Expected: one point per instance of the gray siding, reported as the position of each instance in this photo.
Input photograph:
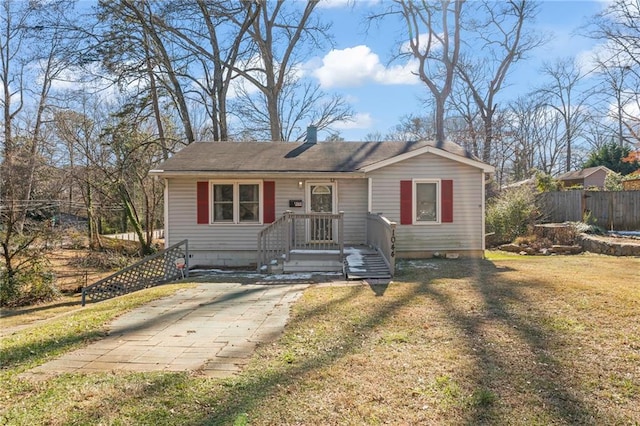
(236, 244)
(595, 179)
(352, 200)
(465, 233)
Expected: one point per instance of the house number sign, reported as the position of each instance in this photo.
(393, 243)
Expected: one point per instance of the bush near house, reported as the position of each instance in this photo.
(511, 214)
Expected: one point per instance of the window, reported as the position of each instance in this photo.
(426, 204)
(223, 203)
(236, 202)
(426, 201)
(249, 202)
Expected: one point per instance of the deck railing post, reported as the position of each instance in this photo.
(259, 257)
(186, 258)
(392, 251)
(289, 223)
(341, 233)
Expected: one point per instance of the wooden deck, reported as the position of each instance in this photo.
(364, 262)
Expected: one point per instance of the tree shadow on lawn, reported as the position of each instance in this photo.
(543, 384)
(537, 375)
(25, 310)
(549, 387)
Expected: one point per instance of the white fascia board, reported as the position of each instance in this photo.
(428, 150)
(259, 175)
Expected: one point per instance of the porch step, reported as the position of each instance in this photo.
(362, 263)
(309, 261)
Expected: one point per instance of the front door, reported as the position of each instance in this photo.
(321, 198)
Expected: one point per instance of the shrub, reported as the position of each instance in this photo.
(613, 182)
(103, 260)
(511, 214)
(545, 182)
(33, 284)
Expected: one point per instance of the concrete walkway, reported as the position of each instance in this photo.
(213, 328)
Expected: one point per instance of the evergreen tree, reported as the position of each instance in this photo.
(611, 155)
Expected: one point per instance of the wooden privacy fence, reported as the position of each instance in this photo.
(165, 266)
(612, 210)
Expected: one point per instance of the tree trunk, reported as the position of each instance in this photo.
(488, 136)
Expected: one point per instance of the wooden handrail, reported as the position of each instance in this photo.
(300, 231)
(381, 235)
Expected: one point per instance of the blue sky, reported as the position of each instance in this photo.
(381, 93)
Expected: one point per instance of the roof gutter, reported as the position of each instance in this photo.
(256, 174)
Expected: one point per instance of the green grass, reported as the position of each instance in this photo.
(513, 340)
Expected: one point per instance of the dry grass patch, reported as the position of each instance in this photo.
(512, 340)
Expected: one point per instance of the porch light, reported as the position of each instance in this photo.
(300, 183)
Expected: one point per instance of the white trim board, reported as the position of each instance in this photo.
(428, 150)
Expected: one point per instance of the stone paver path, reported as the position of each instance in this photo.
(213, 328)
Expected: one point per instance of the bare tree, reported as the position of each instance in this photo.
(299, 104)
(84, 156)
(32, 49)
(132, 47)
(434, 29)
(538, 137)
(500, 29)
(619, 25)
(213, 38)
(279, 36)
(562, 95)
(411, 128)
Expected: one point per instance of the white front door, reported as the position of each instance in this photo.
(321, 198)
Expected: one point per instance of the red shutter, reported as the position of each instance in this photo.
(446, 195)
(268, 201)
(202, 203)
(406, 202)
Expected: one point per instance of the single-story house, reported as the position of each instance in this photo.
(245, 203)
(587, 178)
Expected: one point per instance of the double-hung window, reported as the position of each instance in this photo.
(426, 201)
(236, 202)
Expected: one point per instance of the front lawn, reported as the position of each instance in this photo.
(509, 340)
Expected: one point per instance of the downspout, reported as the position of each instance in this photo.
(483, 213)
(166, 214)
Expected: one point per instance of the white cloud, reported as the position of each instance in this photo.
(589, 60)
(361, 120)
(358, 65)
(336, 4)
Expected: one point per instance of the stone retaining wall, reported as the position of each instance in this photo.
(614, 248)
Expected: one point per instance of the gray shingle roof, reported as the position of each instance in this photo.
(581, 174)
(292, 157)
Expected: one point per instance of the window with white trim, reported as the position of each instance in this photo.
(426, 202)
(236, 202)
